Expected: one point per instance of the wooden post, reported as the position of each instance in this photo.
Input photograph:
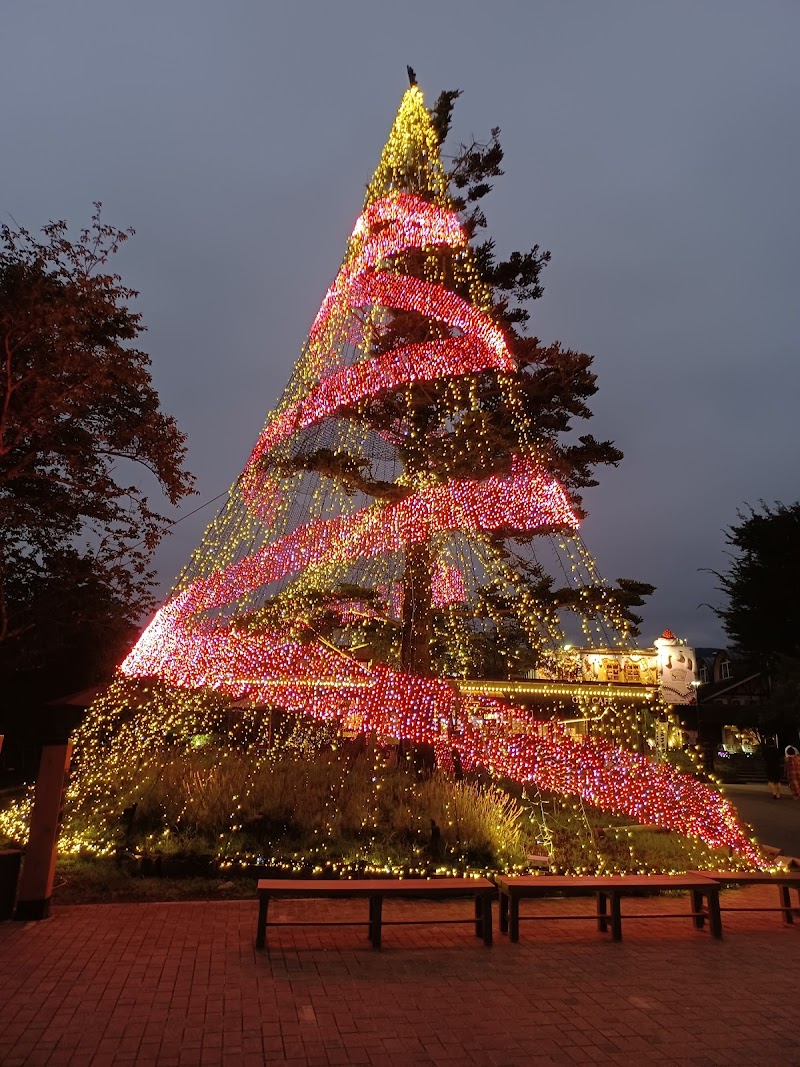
(38, 870)
(9, 876)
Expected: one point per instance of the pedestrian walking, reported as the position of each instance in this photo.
(773, 765)
(792, 763)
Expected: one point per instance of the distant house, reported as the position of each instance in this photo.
(730, 699)
(713, 665)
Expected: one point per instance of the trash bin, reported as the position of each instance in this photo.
(10, 860)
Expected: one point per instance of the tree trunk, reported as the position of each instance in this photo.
(415, 650)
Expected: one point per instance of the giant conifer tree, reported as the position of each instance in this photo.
(76, 399)
(417, 392)
(762, 584)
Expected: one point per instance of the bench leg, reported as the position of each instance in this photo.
(513, 926)
(604, 898)
(503, 912)
(698, 908)
(616, 916)
(602, 913)
(486, 916)
(786, 903)
(714, 914)
(261, 927)
(375, 918)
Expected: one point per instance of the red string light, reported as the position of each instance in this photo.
(526, 499)
(425, 362)
(320, 682)
(447, 585)
(388, 227)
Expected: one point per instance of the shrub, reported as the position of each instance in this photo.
(341, 804)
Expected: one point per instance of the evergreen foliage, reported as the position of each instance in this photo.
(762, 585)
(762, 615)
(470, 426)
(78, 414)
(555, 382)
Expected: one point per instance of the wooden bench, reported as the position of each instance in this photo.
(784, 882)
(375, 891)
(608, 891)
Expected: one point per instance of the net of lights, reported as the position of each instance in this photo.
(200, 642)
(408, 222)
(392, 703)
(320, 683)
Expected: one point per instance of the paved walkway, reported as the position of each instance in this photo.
(170, 985)
(774, 822)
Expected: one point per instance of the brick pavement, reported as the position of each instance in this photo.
(180, 985)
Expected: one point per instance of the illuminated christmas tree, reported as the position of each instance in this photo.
(385, 534)
(401, 498)
(388, 551)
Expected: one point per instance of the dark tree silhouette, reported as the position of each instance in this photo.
(762, 585)
(78, 415)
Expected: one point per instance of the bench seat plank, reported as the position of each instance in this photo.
(375, 890)
(784, 881)
(608, 891)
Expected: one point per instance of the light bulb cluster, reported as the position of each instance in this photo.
(345, 388)
(319, 682)
(410, 157)
(526, 499)
(408, 222)
(447, 585)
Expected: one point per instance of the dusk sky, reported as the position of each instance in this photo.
(652, 147)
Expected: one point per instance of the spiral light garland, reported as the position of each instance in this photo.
(206, 636)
